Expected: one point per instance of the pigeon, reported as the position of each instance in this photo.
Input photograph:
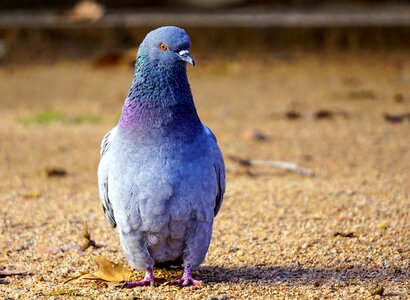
(161, 176)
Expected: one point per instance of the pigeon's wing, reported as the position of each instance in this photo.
(103, 176)
(209, 132)
(219, 166)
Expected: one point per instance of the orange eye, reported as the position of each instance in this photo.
(163, 47)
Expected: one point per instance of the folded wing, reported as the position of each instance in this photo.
(219, 166)
(103, 176)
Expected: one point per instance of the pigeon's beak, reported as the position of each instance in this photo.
(186, 56)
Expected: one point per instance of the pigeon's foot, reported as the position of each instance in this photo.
(142, 282)
(149, 280)
(184, 282)
(186, 279)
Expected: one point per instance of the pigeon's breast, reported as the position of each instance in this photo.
(159, 188)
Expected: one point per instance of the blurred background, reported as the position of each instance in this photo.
(72, 28)
(324, 84)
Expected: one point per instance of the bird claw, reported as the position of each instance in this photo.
(133, 284)
(143, 282)
(185, 282)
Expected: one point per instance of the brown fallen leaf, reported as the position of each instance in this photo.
(108, 272)
(12, 272)
(83, 275)
(86, 240)
(76, 277)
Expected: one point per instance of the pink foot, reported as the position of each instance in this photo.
(186, 279)
(149, 280)
(184, 282)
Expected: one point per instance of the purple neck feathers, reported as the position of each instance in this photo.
(160, 100)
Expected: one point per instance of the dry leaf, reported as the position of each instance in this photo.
(108, 272)
(32, 195)
(79, 276)
(86, 240)
(12, 272)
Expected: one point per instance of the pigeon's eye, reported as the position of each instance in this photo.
(163, 47)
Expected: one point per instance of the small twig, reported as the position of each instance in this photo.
(283, 165)
(276, 164)
(344, 234)
(12, 273)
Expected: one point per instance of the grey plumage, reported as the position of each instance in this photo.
(161, 175)
(162, 214)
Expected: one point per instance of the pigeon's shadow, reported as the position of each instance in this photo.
(291, 275)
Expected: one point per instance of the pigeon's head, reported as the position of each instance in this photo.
(166, 46)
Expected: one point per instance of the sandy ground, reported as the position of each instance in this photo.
(275, 234)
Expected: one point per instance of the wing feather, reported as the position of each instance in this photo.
(103, 177)
(219, 166)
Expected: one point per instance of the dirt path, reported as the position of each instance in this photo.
(278, 233)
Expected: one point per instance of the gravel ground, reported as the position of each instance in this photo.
(342, 234)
